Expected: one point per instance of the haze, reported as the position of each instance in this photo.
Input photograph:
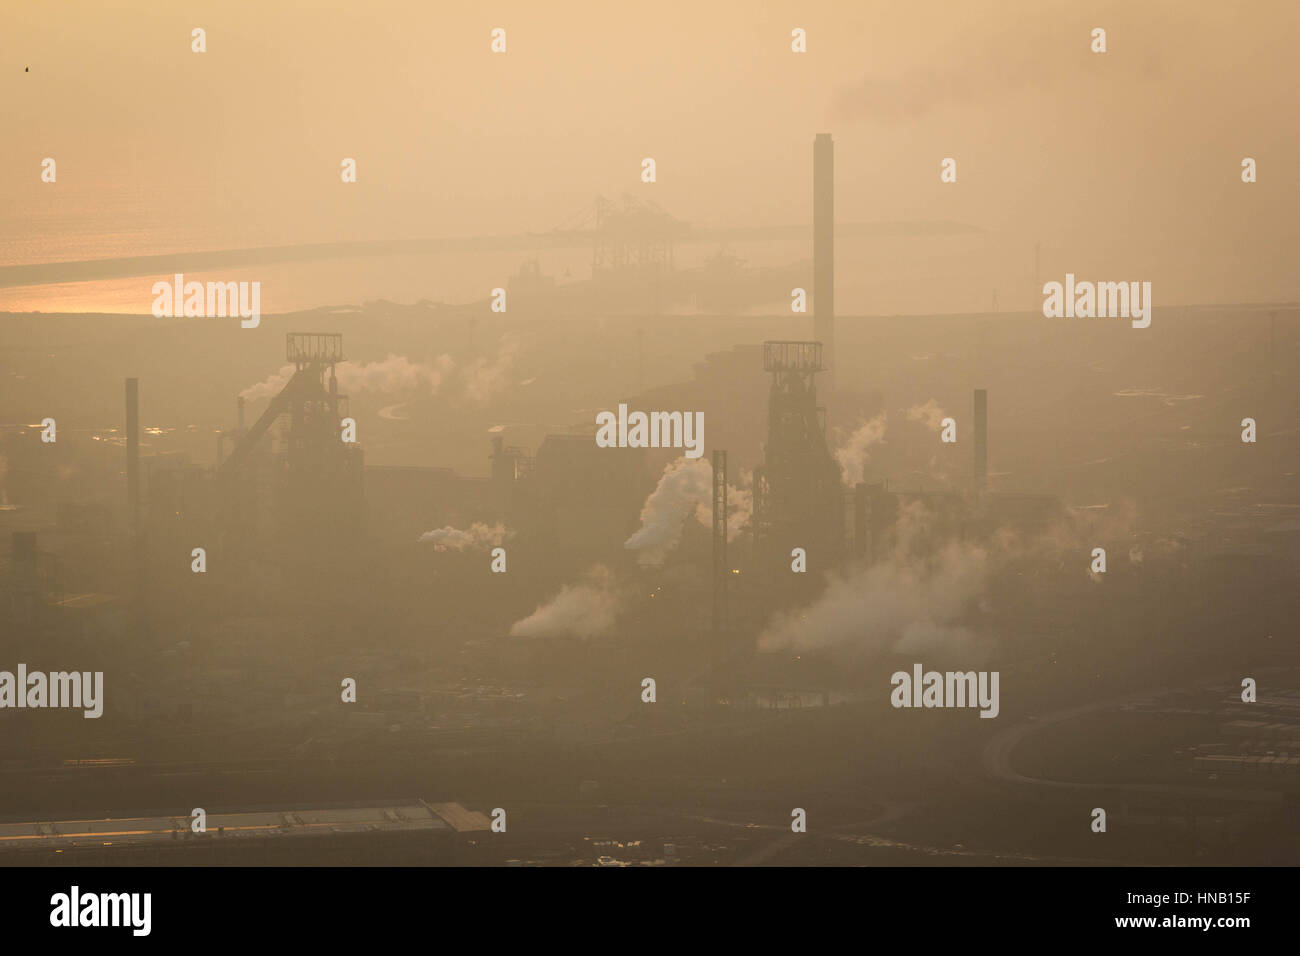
(1112, 162)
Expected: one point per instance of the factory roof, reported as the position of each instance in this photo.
(87, 600)
(241, 825)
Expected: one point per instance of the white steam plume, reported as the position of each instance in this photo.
(685, 488)
(912, 602)
(586, 609)
(853, 455)
(271, 385)
(740, 505)
(391, 375)
(476, 382)
(891, 607)
(930, 414)
(394, 374)
(916, 599)
(479, 535)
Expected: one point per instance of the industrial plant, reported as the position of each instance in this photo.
(379, 596)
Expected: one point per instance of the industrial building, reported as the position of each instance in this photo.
(316, 573)
(345, 834)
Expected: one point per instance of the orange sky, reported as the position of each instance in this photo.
(1126, 162)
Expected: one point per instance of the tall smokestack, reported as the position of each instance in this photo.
(133, 453)
(860, 519)
(239, 405)
(719, 541)
(824, 250)
(981, 439)
(138, 613)
(719, 637)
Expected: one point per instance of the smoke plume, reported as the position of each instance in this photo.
(853, 455)
(272, 385)
(929, 414)
(392, 375)
(920, 596)
(586, 609)
(395, 374)
(740, 505)
(978, 72)
(479, 535)
(475, 382)
(913, 602)
(685, 488)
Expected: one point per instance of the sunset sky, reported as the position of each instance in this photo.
(1124, 164)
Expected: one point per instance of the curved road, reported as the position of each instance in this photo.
(997, 760)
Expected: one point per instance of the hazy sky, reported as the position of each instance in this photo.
(1126, 163)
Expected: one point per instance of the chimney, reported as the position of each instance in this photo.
(879, 515)
(138, 614)
(239, 404)
(860, 519)
(981, 439)
(133, 453)
(824, 250)
(498, 458)
(719, 641)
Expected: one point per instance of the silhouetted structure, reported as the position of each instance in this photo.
(317, 477)
(632, 256)
(824, 249)
(509, 464)
(637, 237)
(133, 453)
(719, 552)
(798, 499)
(138, 612)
